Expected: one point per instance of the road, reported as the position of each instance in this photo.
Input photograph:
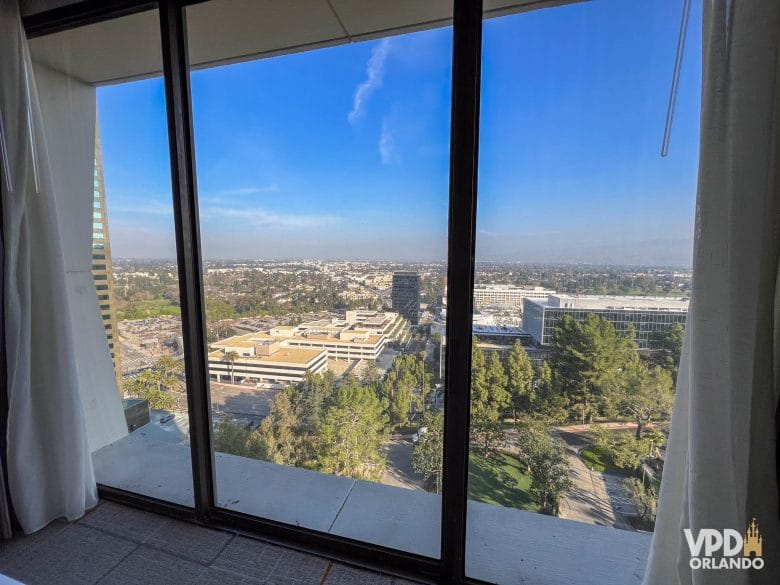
(242, 400)
(386, 358)
(399, 472)
(597, 498)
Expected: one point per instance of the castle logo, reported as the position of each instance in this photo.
(726, 549)
(753, 543)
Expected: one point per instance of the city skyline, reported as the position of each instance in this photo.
(294, 163)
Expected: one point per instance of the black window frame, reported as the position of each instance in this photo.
(464, 142)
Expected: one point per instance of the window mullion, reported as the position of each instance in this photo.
(464, 141)
(185, 207)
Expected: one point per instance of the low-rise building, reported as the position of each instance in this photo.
(262, 358)
(285, 353)
(490, 295)
(645, 314)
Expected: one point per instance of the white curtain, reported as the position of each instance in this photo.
(720, 470)
(50, 470)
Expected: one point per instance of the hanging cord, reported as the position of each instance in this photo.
(31, 127)
(676, 77)
(5, 164)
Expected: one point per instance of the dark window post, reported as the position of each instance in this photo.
(185, 213)
(464, 143)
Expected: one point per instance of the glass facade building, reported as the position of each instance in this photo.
(406, 295)
(645, 314)
(102, 267)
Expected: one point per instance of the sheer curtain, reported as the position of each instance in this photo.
(50, 472)
(721, 470)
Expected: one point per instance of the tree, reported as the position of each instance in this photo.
(423, 383)
(645, 499)
(231, 357)
(156, 383)
(667, 347)
(549, 476)
(351, 434)
(309, 399)
(145, 386)
(217, 310)
(167, 375)
(398, 390)
(548, 403)
(625, 450)
(498, 399)
(533, 437)
(648, 397)
(428, 454)
(489, 399)
(280, 434)
(236, 439)
(520, 373)
(589, 360)
(370, 373)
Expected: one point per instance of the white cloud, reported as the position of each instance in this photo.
(272, 188)
(263, 217)
(144, 207)
(374, 74)
(387, 149)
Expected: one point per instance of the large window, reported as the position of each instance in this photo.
(264, 193)
(583, 274)
(322, 180)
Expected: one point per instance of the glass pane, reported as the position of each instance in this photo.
(584, 251)
(107, 135)
(323, 187)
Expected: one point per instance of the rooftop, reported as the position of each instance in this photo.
(504, 330)
(613, 302)
(284, 355)
(511, 287)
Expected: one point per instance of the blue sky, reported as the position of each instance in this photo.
(344, 152)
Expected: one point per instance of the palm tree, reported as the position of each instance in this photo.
(166, 375)
(231, 357)
(422, 380)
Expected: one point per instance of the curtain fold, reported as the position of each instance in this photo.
(5, 507)
(720, 469)
(50, 472)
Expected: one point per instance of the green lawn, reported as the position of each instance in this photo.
(153, 308)
(599, 461)
(500, 480)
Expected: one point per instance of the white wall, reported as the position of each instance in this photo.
(68, 109)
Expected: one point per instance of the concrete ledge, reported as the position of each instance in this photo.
(277, 492)
(505, 545)
(508, 546)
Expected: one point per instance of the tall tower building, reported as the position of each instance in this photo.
(405, 295)
(102, 269)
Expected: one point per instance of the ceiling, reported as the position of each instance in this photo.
(225, 31)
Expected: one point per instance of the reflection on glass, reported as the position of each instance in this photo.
(323, 185)
(583, 276)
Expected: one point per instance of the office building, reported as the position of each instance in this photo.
(489, 295)
(286, 353)
(646, 314)
(265, 359)
(406, 295)
(102, 268)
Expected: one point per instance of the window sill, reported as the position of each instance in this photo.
(532, 548)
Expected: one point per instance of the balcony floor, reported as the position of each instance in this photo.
(118, 545)
(505, 545)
